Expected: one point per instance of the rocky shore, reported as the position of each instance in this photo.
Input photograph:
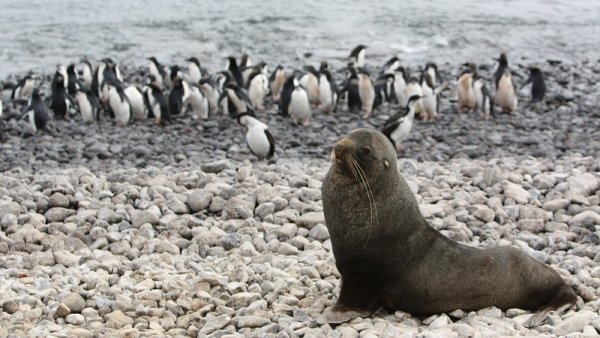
(148, 231)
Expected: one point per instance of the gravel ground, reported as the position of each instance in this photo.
(123, 231)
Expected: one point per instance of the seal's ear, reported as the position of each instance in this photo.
(386, 164)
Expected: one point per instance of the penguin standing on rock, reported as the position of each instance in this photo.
(194, 70)
(276, 81)
(24, 88)
(210, 90)
(86, 72)
(258, 86)
(384, 87)
(73, 83)
(358, 55)
(350, 87)
(158, 71)
(37, 111)
(235, 71)
(179, 91)
(88, 104)
(327, 91)
(259, 139)
(506, 97)
(413, 88)
(119, 103)
(198, 102)
(238, 101)
(299, 106)
(430, 97)
(58, 101)
(466, 94)
(483, 98)
(397, 127)
(155, 102)
(431, 68)
(310, 82)
(136, 102)
(286, 95)
(400, 79)
(538, 86)
(502, 66)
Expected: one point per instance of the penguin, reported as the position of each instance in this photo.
(136, 102)
(327, 91)
(323, 66)
(276, 81)
(194, 70)
(286, 95)
(431, 68)
(357, 55)
(155, 101)
(384, 86)
(199, 103)
(502, 66)
(430, 97)
(483, 98)
(37, 111)
(24, 87)
(366, 91)
(246, 68)
(119, 104)
(413, 88)
(63, 71)
(350, 87)
(400, 79)
(211, 91)
(310, 82)
(258, 86)
(158, 71)
(108, 78)
(506, 97)
(390, 66)
(179, 91)
(86, 72)
(58, 101)
(238, 101)
(107, 71)
(259, 139)
(299, 106)
(88, 104)
(397, 127)
(538, 86)
(235, 71)
(466, 94)
(72, 83)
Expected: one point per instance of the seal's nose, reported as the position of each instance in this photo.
(341, 148)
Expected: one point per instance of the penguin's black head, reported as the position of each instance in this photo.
(412, 101)
(176, 73)
(71, 69)
(535, 70)
(59, 78)
(194, 60)
(324, 65)
(310, 69)
(502, 59)
(356, 50)
(431, 65)
(244, 60)
(248, 113)
(108, 61)
(153, 59)
(231, 60)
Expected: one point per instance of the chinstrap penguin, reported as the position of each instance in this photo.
(259, 139)
(397, 128)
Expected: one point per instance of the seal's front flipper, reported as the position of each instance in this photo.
(338, 315)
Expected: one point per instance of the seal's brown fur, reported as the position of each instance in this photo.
(393, 258)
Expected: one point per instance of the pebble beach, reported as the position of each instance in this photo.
(178, 231)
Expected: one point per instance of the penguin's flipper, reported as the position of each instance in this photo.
(390, 126)
(527, 82)
(271, 139)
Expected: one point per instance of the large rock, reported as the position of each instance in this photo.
(584, 184)
(199, 200)
(140, 217)
(58, 214)
(117, 320)
(74, 302)
(586, 218)
(575, 323)
(310, 219)
(516, 192)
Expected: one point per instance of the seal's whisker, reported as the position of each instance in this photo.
(367, 187)
(348, 158)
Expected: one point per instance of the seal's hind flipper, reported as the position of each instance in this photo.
(561, 301)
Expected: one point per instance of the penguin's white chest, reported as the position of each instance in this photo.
(199, 104)
(466, 94)
(505, 96)
(119, 106)
(85, 108)
(32, 120)
(195, 74)
(299, 106)
(257, 141)
(429, 100)
(325, 93)
(401, 133)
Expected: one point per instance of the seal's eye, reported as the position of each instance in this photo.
(364, 150)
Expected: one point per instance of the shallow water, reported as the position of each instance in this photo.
(38, 34)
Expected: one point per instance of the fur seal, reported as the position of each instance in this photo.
(389, 256)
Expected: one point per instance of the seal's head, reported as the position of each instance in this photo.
(364, 154)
